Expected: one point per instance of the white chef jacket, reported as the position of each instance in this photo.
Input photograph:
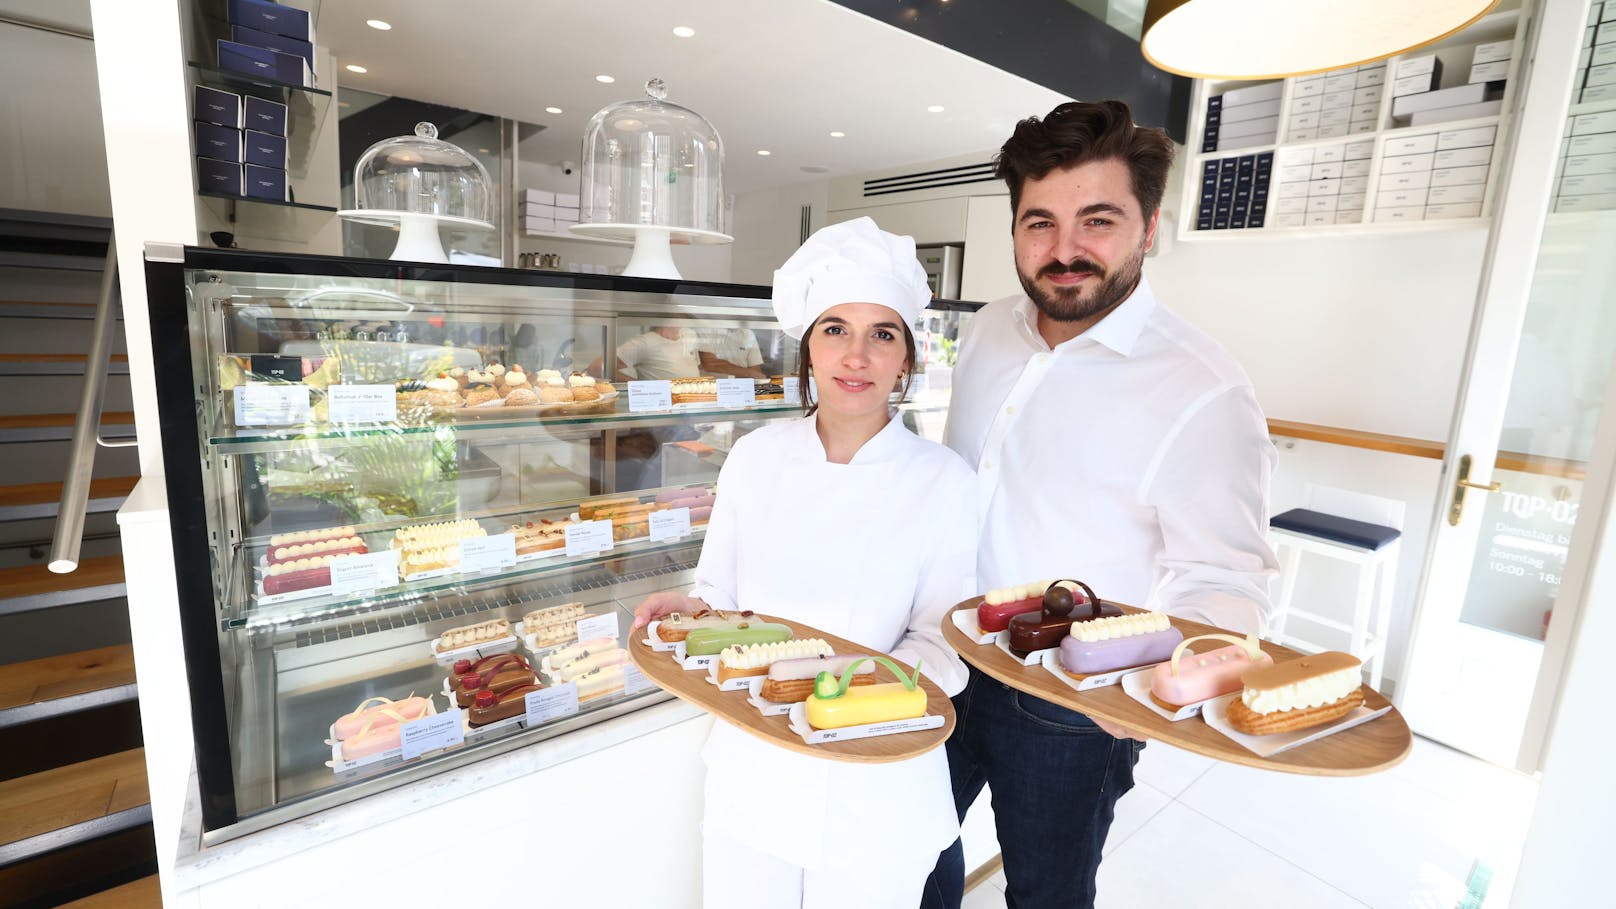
(1133, 457)
(875, 551)
(651, 356)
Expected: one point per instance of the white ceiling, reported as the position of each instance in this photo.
(777, 75)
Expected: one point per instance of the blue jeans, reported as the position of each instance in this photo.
(1055, 779)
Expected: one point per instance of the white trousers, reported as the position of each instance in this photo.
(736, 876)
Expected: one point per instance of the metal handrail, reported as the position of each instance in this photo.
(70, 510)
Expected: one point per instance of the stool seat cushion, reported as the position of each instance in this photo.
(1336, 529)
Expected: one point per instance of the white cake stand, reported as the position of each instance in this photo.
(653, 245)
(418, 238)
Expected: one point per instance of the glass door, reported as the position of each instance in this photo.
(1541, 351)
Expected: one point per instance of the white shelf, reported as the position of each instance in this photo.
(1366, 228)
(1455, 49)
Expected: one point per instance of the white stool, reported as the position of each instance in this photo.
(1372, 547)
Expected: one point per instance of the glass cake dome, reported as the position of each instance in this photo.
(419, 182)
(653, 172)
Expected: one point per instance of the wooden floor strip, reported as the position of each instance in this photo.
(61, 797)
(51, 420)
(66, 675)
(29, 580)
(45, 493)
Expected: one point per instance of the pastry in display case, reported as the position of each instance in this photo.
(414, 506)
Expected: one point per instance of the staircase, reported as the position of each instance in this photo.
(75, 816)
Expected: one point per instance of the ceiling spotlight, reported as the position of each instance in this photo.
(837, 134)
(379, 25)
(356, 68)
(552, 110)
(684, 31)
(935, 109)
(606, 80)
(764, 152)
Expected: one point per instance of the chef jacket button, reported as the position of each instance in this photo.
(987, 465)
(1009, 409)
(1042, 359)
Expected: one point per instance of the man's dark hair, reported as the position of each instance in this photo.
(1078, 132)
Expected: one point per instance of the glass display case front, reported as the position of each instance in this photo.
(414, 506)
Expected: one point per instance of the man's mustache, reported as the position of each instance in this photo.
(1078, 266)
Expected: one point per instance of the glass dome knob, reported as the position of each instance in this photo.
(657, 89)
(426, 130)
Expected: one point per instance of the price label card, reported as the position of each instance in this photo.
(634, 681)
(271, 405)
(362, 403)
(364, 572)
(670, 524)
(487, 553)
(597, 626)
(431, 733)
(552, 703)
(793, 389)
(650, 395)
(737, 392)
(276, 368)
(588, 537)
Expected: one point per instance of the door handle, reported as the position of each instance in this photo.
(1456, 510)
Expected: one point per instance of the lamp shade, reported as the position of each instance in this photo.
(1265, 39)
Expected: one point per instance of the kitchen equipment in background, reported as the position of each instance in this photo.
(942, 265)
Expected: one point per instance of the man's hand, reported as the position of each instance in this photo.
(1120, 732)
(658, 605)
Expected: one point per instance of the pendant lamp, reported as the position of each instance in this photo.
(1270, 39)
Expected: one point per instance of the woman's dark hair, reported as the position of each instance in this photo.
(809, 405)
(1078, 132)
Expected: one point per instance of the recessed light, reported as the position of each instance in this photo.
(764, 152)
(379, 25)
(935, 109)
(604, 79)
(356, 68)
(552, 110)
(837, 134)
(684, 31)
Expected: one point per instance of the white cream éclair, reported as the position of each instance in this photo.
(1120, 626)
(757, 657)
(1324, 689)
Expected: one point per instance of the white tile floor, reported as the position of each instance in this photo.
(1194, 832)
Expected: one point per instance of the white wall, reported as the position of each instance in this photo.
(767, 225)
(52, 150)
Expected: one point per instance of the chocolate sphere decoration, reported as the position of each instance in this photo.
(1057, 600)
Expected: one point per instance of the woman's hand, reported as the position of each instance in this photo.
(658, 605)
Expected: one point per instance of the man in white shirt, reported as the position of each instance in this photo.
(664, 352)
(731, 352)
(1114, 443)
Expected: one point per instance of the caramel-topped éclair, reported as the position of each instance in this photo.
(1292, 671)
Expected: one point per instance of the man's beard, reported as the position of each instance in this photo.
(1075, 304)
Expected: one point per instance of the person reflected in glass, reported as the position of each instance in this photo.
(731, 352)
(664, 352)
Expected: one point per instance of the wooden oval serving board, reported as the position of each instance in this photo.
(1371, 747)
(732, 706)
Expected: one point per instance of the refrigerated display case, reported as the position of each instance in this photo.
(413, 506)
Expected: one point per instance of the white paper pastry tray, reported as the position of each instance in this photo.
(799, 725)
(1050, 660)
(965, 621)
(1216, 714)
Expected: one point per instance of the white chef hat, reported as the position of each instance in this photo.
(850, 262)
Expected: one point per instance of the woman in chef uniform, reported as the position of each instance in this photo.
(845, 521)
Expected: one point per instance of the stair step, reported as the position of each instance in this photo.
(55, 808)
(44, 309)
(36, 689)
(36, 587)
(48, 427)
(136, 894)
(29, 501)
(57, 364)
